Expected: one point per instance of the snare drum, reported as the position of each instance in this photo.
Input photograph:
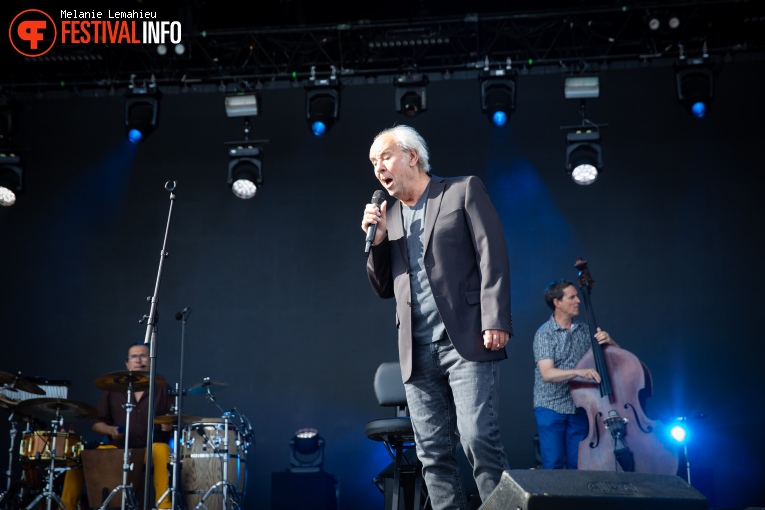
(37, 446)
(202, 459)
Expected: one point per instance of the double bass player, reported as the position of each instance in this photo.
(559, 344)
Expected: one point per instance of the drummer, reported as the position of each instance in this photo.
(111, 420)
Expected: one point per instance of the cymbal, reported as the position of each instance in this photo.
(205, 386)
(16, 382)
(120, 380)
(48, 409)
(173, 418)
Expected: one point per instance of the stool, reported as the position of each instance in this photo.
(397, 435)
(103, 472)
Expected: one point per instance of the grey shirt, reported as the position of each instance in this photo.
(427, 325)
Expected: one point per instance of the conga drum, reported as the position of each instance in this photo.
(203, 454)
(102, 468)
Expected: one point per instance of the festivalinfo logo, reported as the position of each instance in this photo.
(34, 33)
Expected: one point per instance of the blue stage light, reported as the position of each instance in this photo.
(134, 135)
(499, 118)
(695, 88)
(322, 107)
(699, 109)
(141, 113)
(318, 128)
(678, 431)
(498, 95)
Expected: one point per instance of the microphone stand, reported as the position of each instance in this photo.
(179, 392)
(151, 340)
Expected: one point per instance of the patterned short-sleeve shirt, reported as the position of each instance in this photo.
(565, 348)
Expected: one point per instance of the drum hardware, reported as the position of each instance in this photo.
(14, 383)
(57, 410)
(14, 431)
(205, 444)
(175, 420)
(215, 447)
(206, 387)
(120, 380)
(117, 381)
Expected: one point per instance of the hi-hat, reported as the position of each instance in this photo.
(47, 409)
(120, 380)
(173, 418)
(12, 382)
(206, 386)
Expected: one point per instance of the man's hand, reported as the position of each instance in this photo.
(604, 338)
(374, 215)
(495, 339)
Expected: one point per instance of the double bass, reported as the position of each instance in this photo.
(621, 437)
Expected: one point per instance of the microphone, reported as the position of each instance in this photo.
(201, 432)
(185, 312)
(377, 199)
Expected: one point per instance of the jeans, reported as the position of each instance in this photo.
(452, 400)
(559, 437)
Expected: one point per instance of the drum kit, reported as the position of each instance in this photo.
(209, 453)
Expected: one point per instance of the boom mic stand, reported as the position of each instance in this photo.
(151, 340)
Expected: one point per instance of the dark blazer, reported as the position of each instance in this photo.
(466, 262)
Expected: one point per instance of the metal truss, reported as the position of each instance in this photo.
(567, 41)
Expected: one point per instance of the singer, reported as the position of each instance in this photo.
(440, 251)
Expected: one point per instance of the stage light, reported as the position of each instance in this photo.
(411, 94)
(581, 87)
(307, 448)
(11, 178)
(141, 111)
(584, 155)
(242, 105)
(498, 95)
(322, 104)
(678, 430)
(695, 88)
(245, 170)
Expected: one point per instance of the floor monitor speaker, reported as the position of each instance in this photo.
(535, 489)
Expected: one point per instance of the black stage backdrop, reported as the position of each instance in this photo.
(281, 307)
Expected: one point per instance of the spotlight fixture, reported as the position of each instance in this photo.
(245, 169)
(695, 88)
(678, 430)
(581, 87)
(322, 102)
(411, 94)
(11, 177)
(307, 451)
(141, 110)
(498, 95)
(584, 155)
(242, 105)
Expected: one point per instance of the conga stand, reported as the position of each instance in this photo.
(225, 457)
(172, 488)
(126, 488)
(47, 492)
